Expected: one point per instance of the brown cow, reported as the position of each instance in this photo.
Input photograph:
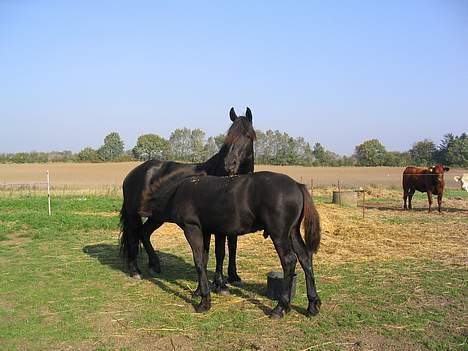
(426, 180)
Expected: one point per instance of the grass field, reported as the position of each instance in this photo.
(394, 280)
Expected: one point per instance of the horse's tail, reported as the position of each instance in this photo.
(130, 225)
(311, 221)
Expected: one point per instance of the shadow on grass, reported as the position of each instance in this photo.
(175, 271)
(399, 208)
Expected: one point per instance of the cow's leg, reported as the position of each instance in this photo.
(429, 198)
(405, 196)
(410, 198)
(149, 227)
(439, 201)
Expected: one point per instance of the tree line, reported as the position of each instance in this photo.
(271, 147)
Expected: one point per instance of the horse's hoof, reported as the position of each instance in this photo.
(223, 291)
(201, 308)
(313, 309)
(154, 271)
(312, 313)
(236, 281)
(275, 315)
(278, 312)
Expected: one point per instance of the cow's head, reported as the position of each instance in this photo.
(438, 171)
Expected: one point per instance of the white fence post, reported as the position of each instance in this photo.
(48, 191)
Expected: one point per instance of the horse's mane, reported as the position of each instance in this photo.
(162, 189)
(242, 127)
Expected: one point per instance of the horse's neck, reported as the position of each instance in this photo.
(214, 165)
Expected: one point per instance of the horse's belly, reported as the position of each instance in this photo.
(230, 225)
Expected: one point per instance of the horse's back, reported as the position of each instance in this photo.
(139, 178)
(238, 204)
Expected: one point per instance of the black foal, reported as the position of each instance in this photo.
(243, 204)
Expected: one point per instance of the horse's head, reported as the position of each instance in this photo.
(239, 158)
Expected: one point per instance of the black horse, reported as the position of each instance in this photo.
(242, 204)
(236, 156)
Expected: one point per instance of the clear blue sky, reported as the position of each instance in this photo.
(334, 72)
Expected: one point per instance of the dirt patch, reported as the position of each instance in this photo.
(16, 234)
(388, 232)
(369, 340)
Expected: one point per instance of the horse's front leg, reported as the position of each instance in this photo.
(149, 227)
(197, 241)
(233, 277)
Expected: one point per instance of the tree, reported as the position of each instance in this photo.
(303, 151)
(188, 145)
(197, 143)
(423, 152)
(180, 144)
(453, 150)
(370, 153)
(319, 154)
(113, 147)
(284, 149)
(259, 147)
(219, 140)
(88, 154)
(397, 159)
(210, 148)
(325, 157)
(151, 146)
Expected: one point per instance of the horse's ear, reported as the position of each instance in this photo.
(232, 114)
(446, 169)
(248, 114)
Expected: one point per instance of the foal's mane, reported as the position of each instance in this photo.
(155, 190)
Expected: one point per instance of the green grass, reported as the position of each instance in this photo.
(63, 286)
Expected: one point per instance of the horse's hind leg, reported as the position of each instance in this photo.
(197, 241)
(288, 262)
(130, 242)
(206, 251)
(305, 260)
(233, 277)
(149, 227)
